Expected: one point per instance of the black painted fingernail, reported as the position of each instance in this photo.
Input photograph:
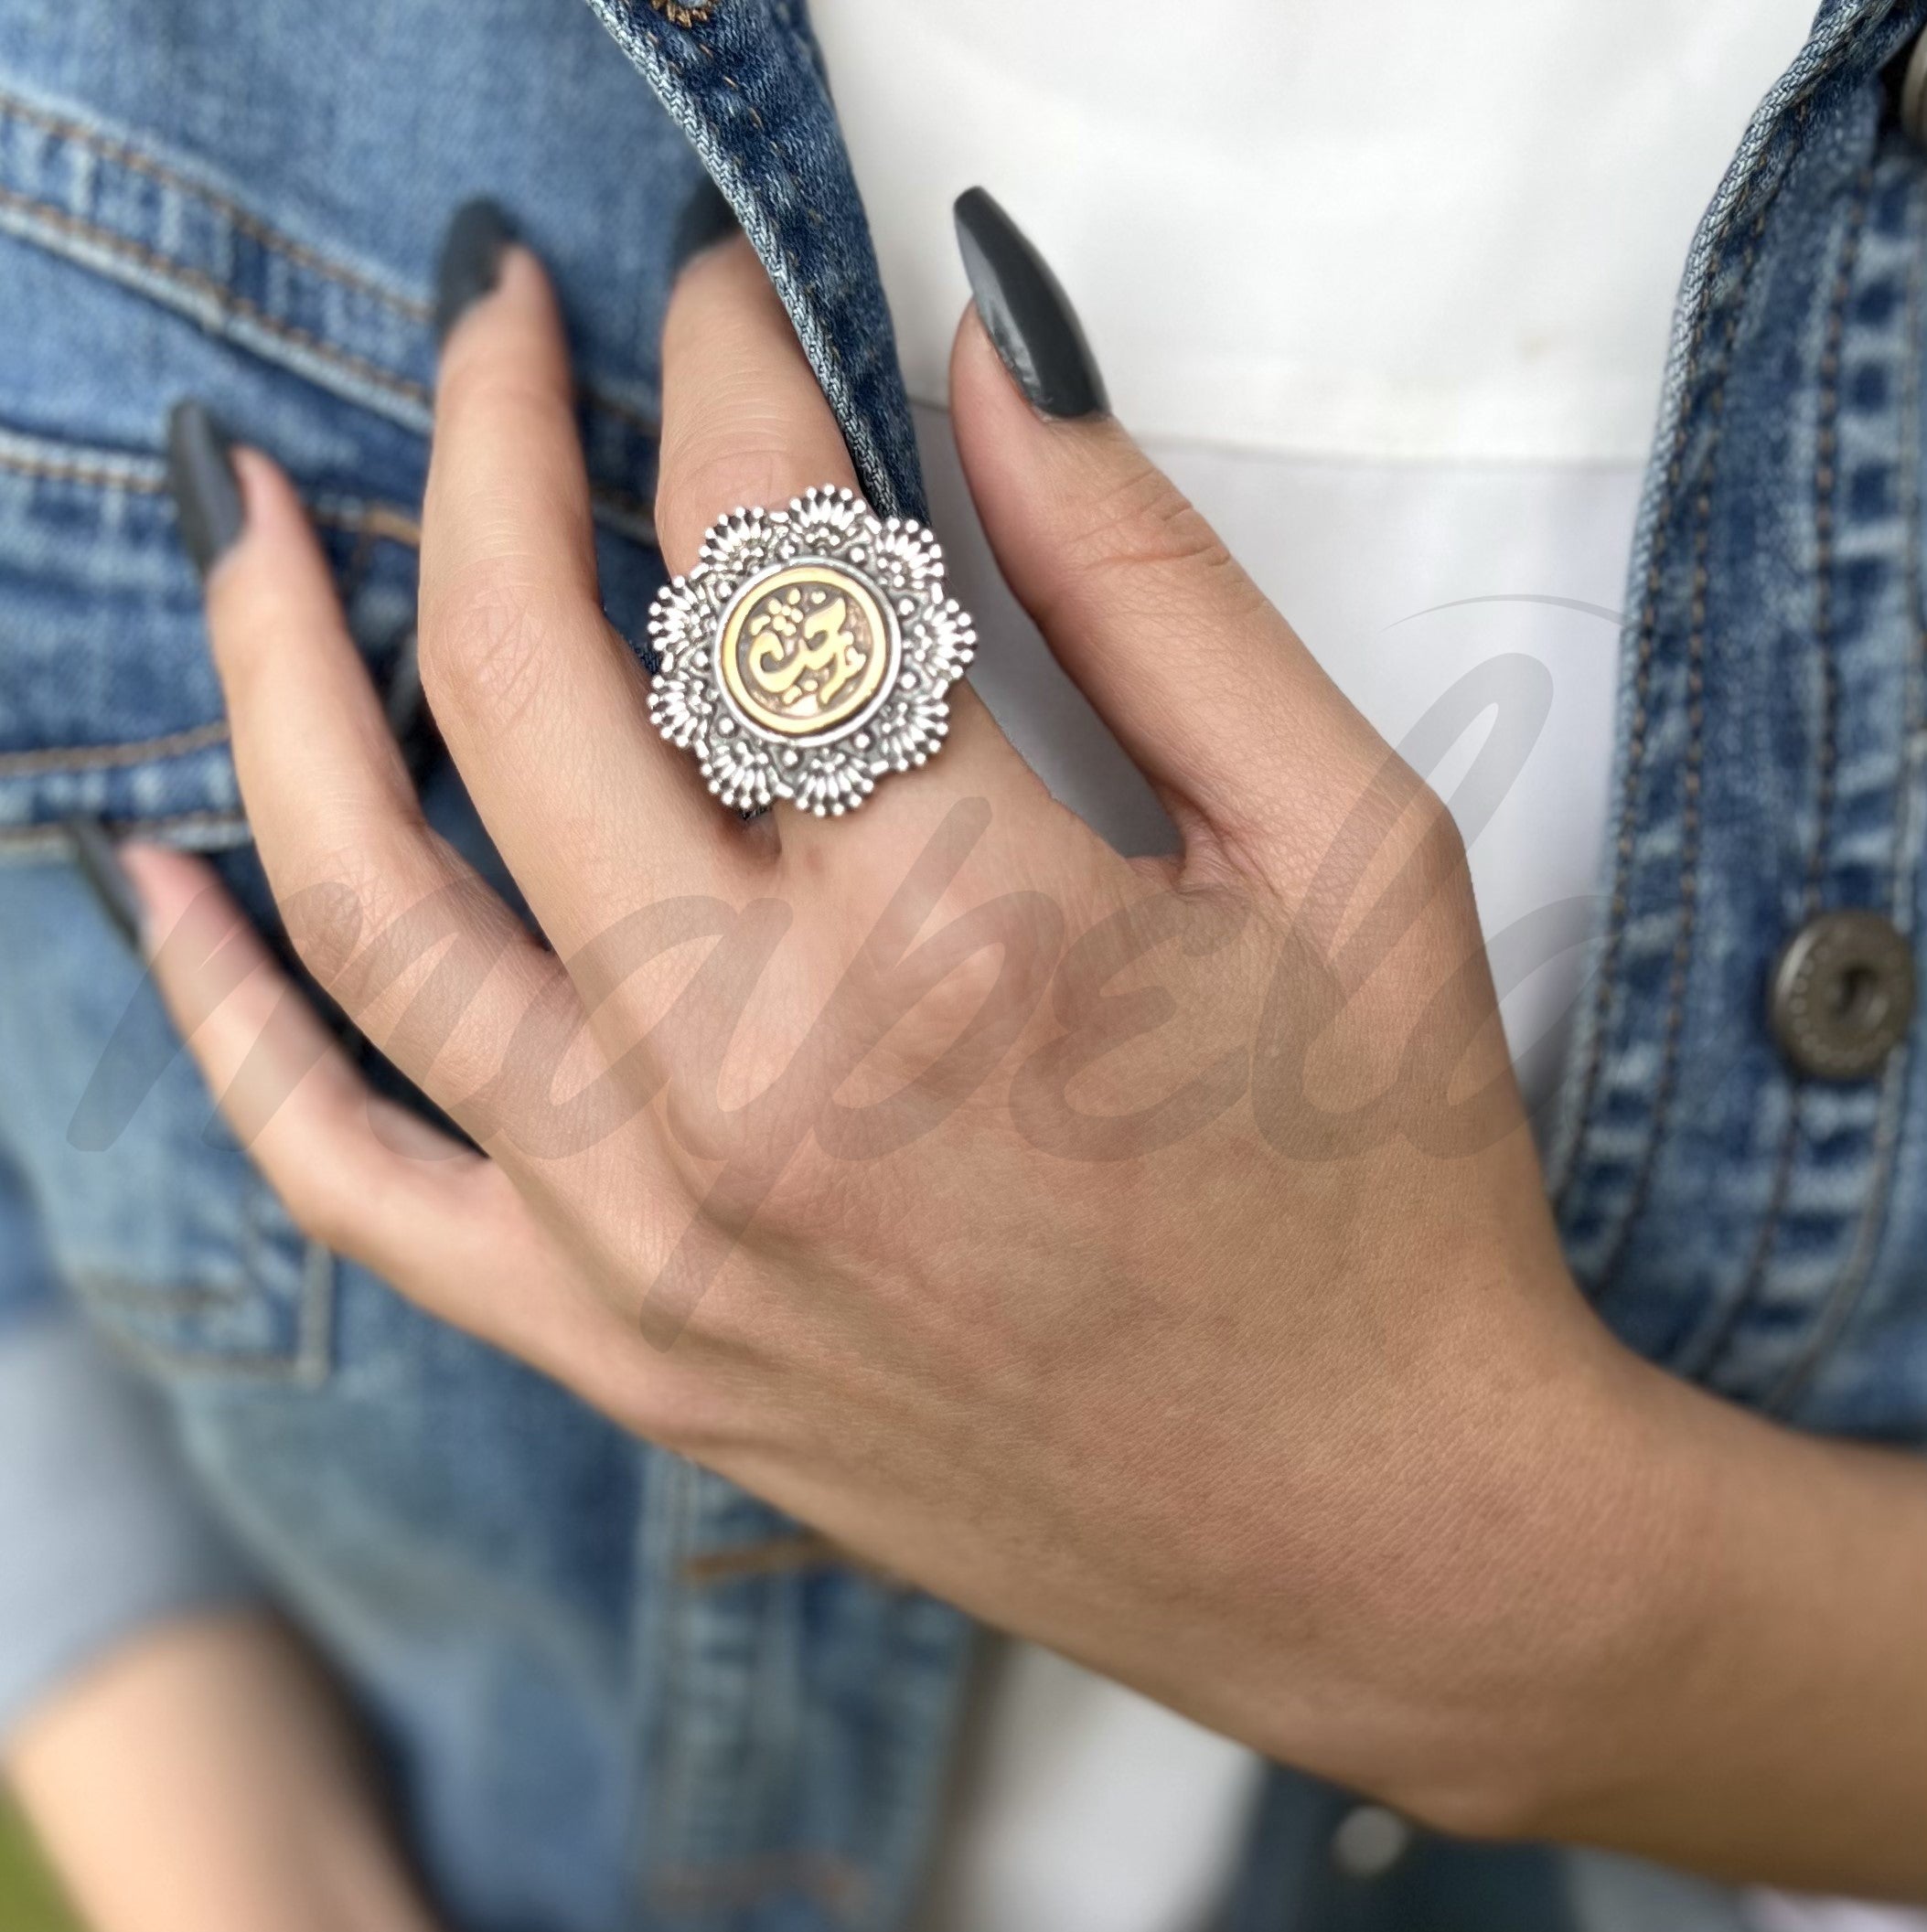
(1026, 313)
(205, 491)
(100, 865)
(471, 262)
(706, 220)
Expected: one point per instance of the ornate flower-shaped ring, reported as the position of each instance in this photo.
(810, 651)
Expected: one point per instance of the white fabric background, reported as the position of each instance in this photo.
(1402, 230)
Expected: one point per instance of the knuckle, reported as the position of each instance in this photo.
(1437, 849)
(486, 387)
(694, 1422)
(351, 899)
(327, 919)
(1392, 859)
(481, 647)
(1143, 525)
(711, 478)
(969, 988)
(1446, 844)
(1431, 880)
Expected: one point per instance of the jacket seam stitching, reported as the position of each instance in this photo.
(789, 174)
(1619, 910)
(373, 520)
(132, 828)
(1839, 1307)
(128, 1293)
(1624, 842)
(249, 224)
(673, 1801)
(836, 1883)
(635, 34)
(307, 1364)
(1825, 452)
(110, 757)
(228, 302)
(681, 1886)
(225, 299)
(768, 1556)
(1684, 945)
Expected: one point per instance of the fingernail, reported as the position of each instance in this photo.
(100, 865)
(205, 491)
(1026, 313)
(706, 220)
(471, 263)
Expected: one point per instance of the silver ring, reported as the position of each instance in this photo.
(810, 651)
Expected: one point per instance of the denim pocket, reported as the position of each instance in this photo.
(133, 274)
(109, 708)
(108, 702)
(145, 1206)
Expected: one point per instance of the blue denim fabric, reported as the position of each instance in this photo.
(594, 1716)
(1750, 1230)
(746, 84)
(605, 1701)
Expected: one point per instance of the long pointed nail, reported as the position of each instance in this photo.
(207, 492)
(100, 865)
(471, 261)
(1026, 313)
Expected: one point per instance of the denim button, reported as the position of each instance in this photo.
(1369, 1840)
(1913, 92)
(1843, 996)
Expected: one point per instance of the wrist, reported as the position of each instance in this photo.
(1594, 1593)
(1756, 1705)
(1645, 1562)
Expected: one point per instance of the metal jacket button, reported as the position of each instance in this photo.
(1843, 996)
(1369, 1842)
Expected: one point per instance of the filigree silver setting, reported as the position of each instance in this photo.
(809, 654)
(810, 651)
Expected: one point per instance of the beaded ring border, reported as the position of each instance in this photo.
(809, 654)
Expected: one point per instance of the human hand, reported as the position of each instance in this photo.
(1150, 1257)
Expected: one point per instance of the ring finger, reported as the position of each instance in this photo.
(745, 423)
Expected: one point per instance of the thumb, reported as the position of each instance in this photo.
(1207, 688)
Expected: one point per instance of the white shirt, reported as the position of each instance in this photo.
(1409, 232)
(1388, 289)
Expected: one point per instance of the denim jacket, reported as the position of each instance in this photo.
(612, 1691)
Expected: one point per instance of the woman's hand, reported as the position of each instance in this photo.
(1150, 1257)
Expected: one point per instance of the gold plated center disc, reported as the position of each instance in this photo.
(804, 650)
